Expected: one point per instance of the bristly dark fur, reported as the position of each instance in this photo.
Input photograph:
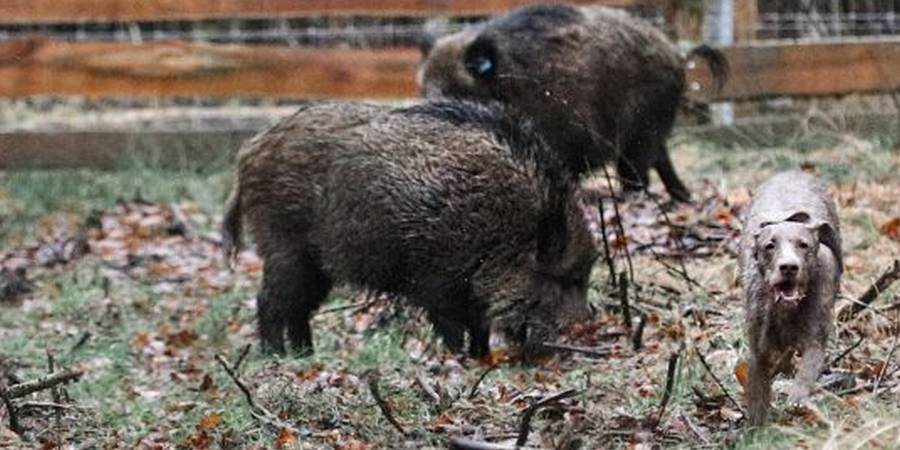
(449, 205)
(601, 86)
(525, 142)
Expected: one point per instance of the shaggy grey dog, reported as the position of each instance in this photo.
(791, 265)
(600, 84)
(458, 207)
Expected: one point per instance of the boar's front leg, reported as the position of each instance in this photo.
(479, 332)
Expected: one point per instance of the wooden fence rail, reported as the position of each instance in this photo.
(98, 11)
(40, 66)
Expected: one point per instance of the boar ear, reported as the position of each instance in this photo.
(426, 43)
(828, 236)
(432, 30)
(480, 58)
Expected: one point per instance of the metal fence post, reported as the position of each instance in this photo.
(718, 30)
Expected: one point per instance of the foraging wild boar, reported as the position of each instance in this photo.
(600, 84)
(458, 207)
(791, 265)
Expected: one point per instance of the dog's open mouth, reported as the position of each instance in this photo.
(788, 293)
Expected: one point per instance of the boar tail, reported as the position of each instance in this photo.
(232, 224)
(716, 61)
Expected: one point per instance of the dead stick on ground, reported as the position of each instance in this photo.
(241, 357)
(607, 256)
(884, 366)
(423, 384)
(637, 339)
(373, 377)
(10, 410)
(597, 352)
(525, 426)
(261, 414)
(484, 374)
(619, 227)
(718, 382)
(623, 298)
(49, 381)
(460, 443)
(846, 352)
(670, 383)
(884, 281)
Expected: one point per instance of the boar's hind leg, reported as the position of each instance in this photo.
(313, 285)
(670, 179)
(293, 287)
(633, 174)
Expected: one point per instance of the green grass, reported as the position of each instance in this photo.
(335, 405)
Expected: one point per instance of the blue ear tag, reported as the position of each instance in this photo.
(485, 66)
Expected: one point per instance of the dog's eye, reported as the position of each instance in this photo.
(770, 246)
(803, 245)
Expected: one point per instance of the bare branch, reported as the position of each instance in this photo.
(525, 426)
(596, 352)
(47, 382)
(718, 382)
(884, 281)
(484, 374)
(670, 384)
(373, 377)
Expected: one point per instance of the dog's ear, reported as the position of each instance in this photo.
(828, 236)
(754, 240)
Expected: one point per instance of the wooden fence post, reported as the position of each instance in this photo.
(746, 20)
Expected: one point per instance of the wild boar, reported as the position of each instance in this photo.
(460, 208)
(601, 85)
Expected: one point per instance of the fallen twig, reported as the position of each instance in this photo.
(670, 383)
(353, 306)
(461, 443)
(718, 381)
(52, 405)
(82, 340)
(10, 410)
(423, 384)
(258, 412)
(596, 352)
(623, 299)
(620, 228)
(884, 366)
(474, 390)
(693, 427)
(525, 425)
(637, 339)
(607, 256)
(47, 382)
(241, 357)
(373, 377)
(846, 352)
(884, 281)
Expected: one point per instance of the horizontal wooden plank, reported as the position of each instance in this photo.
(67, 11)
(222, 133)
(807, 69)
(44, 67)
(94, 69)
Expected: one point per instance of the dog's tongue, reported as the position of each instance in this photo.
(788, 293)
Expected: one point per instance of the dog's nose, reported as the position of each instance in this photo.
(788, 269)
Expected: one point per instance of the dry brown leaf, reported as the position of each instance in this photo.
(494, 357)
(891, 229)
(210, 421)
(740, 372)
(285, 439)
